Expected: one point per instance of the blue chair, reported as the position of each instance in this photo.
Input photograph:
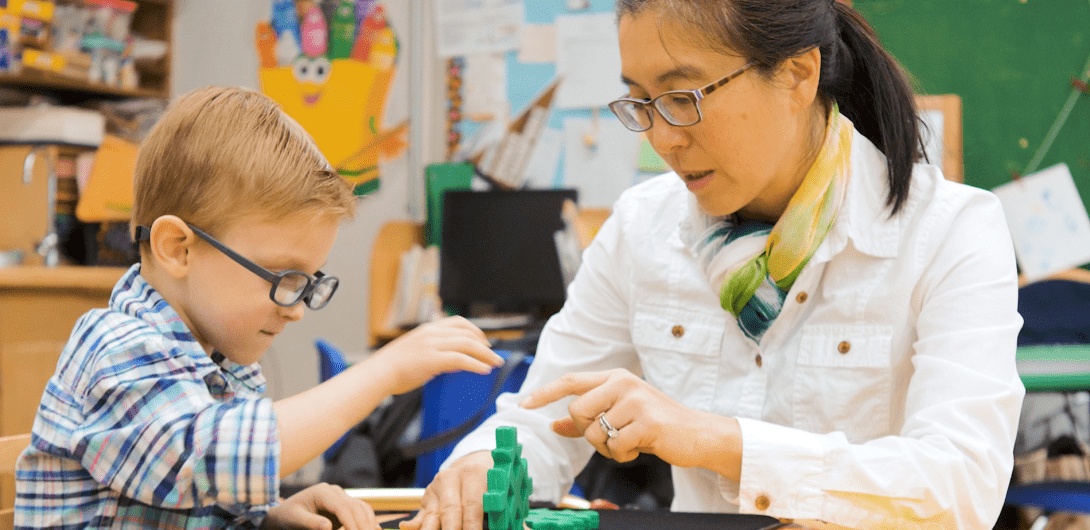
(1054, 355)
(456, 403)
(330, 363)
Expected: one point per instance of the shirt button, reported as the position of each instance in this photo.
(801, 297)
(762, 503)
(843, 347)
(678, 331)
(758, 360)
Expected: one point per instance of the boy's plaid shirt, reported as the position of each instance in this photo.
(140, 428)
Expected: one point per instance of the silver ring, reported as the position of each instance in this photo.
(610, 431)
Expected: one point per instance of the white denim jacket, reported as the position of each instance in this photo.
(886, 395)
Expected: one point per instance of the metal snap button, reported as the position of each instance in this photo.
(678, 331)
(801, 297)
(843, 347)
(758, 360)
(762, 503)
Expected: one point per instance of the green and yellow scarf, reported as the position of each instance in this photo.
(753, 263)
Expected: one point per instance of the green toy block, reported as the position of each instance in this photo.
(543, 519)
(507, 500)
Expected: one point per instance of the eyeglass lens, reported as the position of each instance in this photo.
(679, 110)
(292, 287)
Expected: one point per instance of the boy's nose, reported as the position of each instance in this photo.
(293, 313)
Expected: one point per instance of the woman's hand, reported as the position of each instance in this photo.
(455, 498)
(321, 507)
(622, 416)
(447, 345)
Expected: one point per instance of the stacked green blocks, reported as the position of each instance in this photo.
(507, 501)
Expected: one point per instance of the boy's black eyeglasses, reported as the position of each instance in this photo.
(288, 287)
(680, 108)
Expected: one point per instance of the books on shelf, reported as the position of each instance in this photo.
(416, 297)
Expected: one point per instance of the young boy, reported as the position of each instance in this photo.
(154, 417)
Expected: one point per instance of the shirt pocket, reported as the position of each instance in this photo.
(679, 351)
(843, 381)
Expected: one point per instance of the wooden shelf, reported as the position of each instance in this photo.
(36, 81)
(153, 19)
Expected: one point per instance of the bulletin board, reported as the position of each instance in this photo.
(1012, 62)
(527, 80)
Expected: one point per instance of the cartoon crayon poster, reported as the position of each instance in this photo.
(331, 70)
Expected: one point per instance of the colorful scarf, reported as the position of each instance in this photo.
(755, 263)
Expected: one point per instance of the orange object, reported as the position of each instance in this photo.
(266, 44)
(108, 195)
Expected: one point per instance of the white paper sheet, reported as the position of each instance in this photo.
(541, 169)
(470, 26)
(932, 135)
(537, 43)
(602, 171)
(1048, 222)
(484, 86)
(589, 60)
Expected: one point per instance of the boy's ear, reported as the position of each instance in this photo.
(171, 242)
(803, 72)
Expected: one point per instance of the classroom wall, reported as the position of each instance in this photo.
(213, 45)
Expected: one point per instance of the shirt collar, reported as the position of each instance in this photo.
(864, 217)
(135, 297)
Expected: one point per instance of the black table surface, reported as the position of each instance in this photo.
(664, 520)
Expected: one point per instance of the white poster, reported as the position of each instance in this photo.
(473, 26)
(1048, 222)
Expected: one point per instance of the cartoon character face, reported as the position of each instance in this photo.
(339, 103)
(311, 74)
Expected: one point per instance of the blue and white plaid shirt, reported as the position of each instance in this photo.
(140, 428)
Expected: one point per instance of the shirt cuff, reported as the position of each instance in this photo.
(781, 472)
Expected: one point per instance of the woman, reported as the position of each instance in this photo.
(803, 320)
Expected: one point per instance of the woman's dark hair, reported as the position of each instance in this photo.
(870, 87)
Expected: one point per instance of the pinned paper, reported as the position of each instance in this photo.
(588, 59)
(602, 171)
(477, 26)
(484, 86)
(537, 44)
(1048, 222)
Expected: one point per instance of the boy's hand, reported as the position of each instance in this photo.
(321, 507)
(448, 345)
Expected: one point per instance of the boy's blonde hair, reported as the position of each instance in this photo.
(220, 154)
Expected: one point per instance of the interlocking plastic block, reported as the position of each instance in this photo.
(507, 501)
(544, 519)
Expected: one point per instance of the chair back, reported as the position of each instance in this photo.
(452, 399)
(394, 238)
(10, 449)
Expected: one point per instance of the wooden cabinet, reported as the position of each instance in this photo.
(24, 198)
(153, 19)
(38, 308)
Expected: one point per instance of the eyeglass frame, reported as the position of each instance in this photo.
(143, 233)
(695, 96)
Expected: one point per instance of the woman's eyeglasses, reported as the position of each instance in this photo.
(680, 108)
(288, 287)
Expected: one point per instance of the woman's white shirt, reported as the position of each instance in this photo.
(884, 395)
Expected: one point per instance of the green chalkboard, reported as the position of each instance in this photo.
(1011, 61)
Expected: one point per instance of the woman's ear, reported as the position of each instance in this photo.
(171, 242)
(803, 72)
